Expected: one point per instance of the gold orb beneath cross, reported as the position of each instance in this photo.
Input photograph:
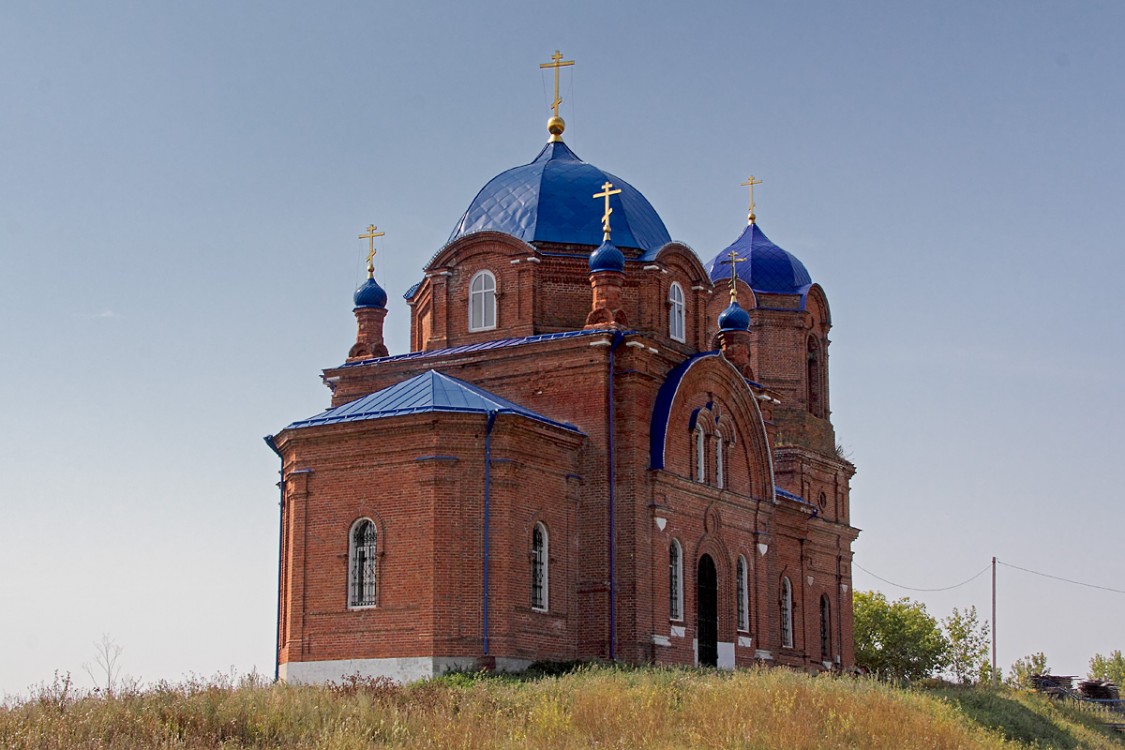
(556, 125)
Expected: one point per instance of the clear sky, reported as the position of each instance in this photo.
(182, 184)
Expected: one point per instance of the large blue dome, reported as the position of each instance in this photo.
(551, 200)
(769, 268)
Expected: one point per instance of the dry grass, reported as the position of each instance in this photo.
(602, 708)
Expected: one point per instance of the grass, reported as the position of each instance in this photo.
(588, 708)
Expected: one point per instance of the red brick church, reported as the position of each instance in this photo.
(598, 447)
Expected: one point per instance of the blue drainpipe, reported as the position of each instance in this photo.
(280, 550)
(487, 488)
(618, 337)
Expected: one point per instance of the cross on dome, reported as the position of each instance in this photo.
(556, 125)
(606, 192)
(751, 183)
(370, 237)
(732, 260)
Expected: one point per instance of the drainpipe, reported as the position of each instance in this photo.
(280, 551)
(487, 487)
(618, 338)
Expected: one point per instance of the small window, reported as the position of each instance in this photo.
(786, 613)
(825, 629)
(676, 312)
(700, 454)
(742, 595)
(539, 562)
(814, 380)
(675, 581)
(482, 302)
(719, 479)
(363, 559)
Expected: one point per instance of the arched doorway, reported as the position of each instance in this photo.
(707, 612)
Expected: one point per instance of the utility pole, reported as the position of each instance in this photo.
(995, 675)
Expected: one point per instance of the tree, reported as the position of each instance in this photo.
(1110, 668)
(1023, 669)
(897, 640)
(105, 670)
(968, 645)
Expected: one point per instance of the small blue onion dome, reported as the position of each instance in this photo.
(734, 318)
(370, 294)
(607, 258)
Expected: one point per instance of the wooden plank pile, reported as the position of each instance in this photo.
(1100, 690)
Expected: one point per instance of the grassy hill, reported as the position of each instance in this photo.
(593, 707)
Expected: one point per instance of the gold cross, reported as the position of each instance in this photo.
(606, 192)
(733, 273)
(370, 237)
(557, 62)
(751, 183)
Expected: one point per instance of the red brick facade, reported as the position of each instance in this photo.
(422, 479)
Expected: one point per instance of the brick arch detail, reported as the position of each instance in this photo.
(713, 545)
(678, 396)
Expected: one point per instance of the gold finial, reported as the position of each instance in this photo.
(734, 259)
(751, 183)
(556, 125)
(370, 237)
(606, 192)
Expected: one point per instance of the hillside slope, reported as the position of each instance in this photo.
(606, 708)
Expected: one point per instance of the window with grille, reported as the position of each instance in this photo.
(675, 581)
(539, 567)
(719, 478)
(700, 454)
(742, 595)
(676, 328)
(786, 613)
(482, 301)
(364, 560)
(825, 629)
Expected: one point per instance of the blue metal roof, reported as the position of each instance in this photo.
(551, 200)
(429, 392)
(482, 346)
(790, 496)
(770, 269)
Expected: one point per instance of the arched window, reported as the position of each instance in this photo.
(786, 613)
(363, 559)
(539, 562)
(742, 595)
(676, 312)
(719, 478)
(700, 454)
(675, 581)
(825, 629)
(815, 379)
(482, 301)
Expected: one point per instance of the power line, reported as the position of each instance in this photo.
(1059, 578)
(915, 588)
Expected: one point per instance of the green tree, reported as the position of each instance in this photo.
(1110, 668)
(897, 640)
(1025, 667)
(968, 645)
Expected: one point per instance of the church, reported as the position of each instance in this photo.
(599, 447)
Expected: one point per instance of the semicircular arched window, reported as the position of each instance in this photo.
(676, 327)
(539, 562)
(363, 564)
(482, 301)
(786, 613)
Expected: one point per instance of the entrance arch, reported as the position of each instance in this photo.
(707, 612)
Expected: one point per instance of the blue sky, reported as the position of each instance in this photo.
(181, 186)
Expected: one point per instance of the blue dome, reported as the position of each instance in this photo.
(370, 294)
(734, 318)
(551, 200)
(607, 258)
(770, 269)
